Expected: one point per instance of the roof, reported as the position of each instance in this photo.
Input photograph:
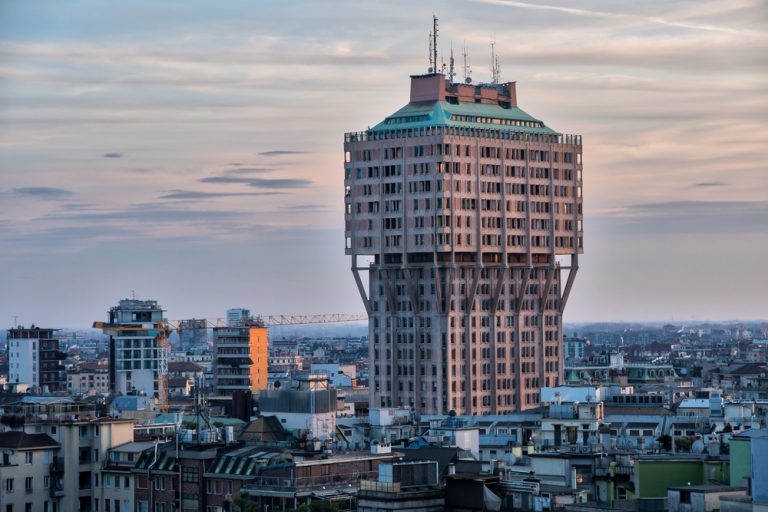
(178, 382)
(266, 429)
(750, 369)
(134, 447)
(708, 488)
(694, 403)
(23, 441)
(184, 366)
(462, 115)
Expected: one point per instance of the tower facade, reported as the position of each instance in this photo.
(466, 213)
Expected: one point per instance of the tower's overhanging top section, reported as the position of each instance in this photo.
(437, 102)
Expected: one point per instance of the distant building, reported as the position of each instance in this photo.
(575, 348)
(192, 334)
(237, 317)
(339, 375)
(34, 358)
(240, 358)
(89, 378)
(308, 411)
(138, 348)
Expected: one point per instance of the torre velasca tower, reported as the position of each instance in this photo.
(466, 214)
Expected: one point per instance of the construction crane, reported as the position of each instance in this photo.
(278, 320)
(162, 329)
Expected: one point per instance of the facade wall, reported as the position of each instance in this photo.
(653, 478)
(84, 448)
(465, 293)
(240, 359)
(13, 479)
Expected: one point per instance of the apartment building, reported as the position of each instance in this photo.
(25, 472)
(466, 213)
(138, 348)
(240, 358)
(34, 358)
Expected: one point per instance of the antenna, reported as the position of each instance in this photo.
(434, 42)
(467, 70)
(495, 68)
(451, 72)
(15, 322)
(431, 64)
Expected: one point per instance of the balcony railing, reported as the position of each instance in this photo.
(288, 484)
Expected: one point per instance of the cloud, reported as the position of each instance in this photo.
(43, 192)
(685, 217)
(248, 170)
(150, 213)
(281, 153)
(112, 155)
(259, 182)
(197, 194)
(705, 184)
(654, 20)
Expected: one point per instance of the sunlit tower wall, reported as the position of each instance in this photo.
(466, 212)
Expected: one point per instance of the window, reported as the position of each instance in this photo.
(188, 475)
(46, 481)
(29, 457)
(28, 483)
(9, 485)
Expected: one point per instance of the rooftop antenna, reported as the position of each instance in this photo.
(495, 68)
(431, 64)
(467, 70)
(15, 321)
(434, 43)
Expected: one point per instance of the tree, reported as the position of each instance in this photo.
(666, 442)
(242, 503)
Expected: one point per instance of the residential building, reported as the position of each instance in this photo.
(34, 358)
(89, 378)
(308, 410)
(240, 358)
(466, 205)
(25, 473)
(193, 334)
(138, 348)
(82, 438)
(339, 375)
(117, 483)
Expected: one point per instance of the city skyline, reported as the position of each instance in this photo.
(192, 154)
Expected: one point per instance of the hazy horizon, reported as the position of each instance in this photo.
(192, 152)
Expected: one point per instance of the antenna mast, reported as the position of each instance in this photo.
(434, 43)
(467, 71)
(451, 71)
(495, 68)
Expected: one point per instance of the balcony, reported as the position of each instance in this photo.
(348, 481)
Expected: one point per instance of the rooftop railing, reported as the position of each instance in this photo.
(489, 133)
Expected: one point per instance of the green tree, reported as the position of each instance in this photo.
(241, 502)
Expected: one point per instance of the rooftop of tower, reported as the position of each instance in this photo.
(437, 102)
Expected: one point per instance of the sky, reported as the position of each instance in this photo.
(191, 151)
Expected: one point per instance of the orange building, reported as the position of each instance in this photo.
(240, 359)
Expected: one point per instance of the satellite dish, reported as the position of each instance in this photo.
(468, 80)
